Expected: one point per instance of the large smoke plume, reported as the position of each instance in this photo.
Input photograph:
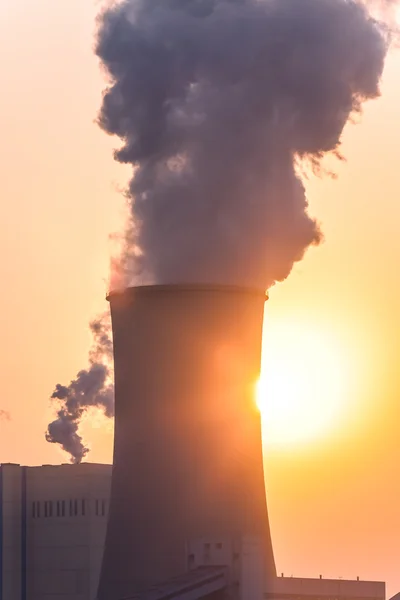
(216, 103)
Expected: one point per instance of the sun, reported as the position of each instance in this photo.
(302, 391)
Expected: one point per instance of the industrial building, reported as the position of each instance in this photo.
(53, 524)
(52, 527)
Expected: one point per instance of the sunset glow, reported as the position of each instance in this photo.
(330, 382)
(302, 392)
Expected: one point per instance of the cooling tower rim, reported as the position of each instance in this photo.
(192, 287)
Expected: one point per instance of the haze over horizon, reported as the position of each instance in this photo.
(332, 497)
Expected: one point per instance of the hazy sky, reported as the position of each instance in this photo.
(333, 491)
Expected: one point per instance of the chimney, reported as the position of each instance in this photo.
(187, 451)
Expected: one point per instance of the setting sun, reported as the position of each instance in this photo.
(302, 391)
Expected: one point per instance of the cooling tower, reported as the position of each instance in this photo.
(187, 451)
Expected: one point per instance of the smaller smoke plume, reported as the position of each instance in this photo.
(93, 387)
(4, 415)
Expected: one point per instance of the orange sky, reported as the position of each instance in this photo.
(333, 499)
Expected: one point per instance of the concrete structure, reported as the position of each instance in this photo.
(243, 573)
(188, 451)
(297, 588)
(242, 558)
(52, 528)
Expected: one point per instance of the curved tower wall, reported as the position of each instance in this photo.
(187, 450)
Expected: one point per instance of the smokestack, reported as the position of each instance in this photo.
(187, 451)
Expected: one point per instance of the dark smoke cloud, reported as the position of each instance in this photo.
(215, 102)
(92, 387)
(5, 415)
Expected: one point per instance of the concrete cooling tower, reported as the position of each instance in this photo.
(188, 452)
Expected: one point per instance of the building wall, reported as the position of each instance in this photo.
(11, 479)
(53, 529)
(244, 558)
(285, 588)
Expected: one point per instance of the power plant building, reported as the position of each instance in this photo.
(52, 528)
(53, 525)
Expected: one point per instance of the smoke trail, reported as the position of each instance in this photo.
(215, 101)
(92, 388)
(5, 415)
